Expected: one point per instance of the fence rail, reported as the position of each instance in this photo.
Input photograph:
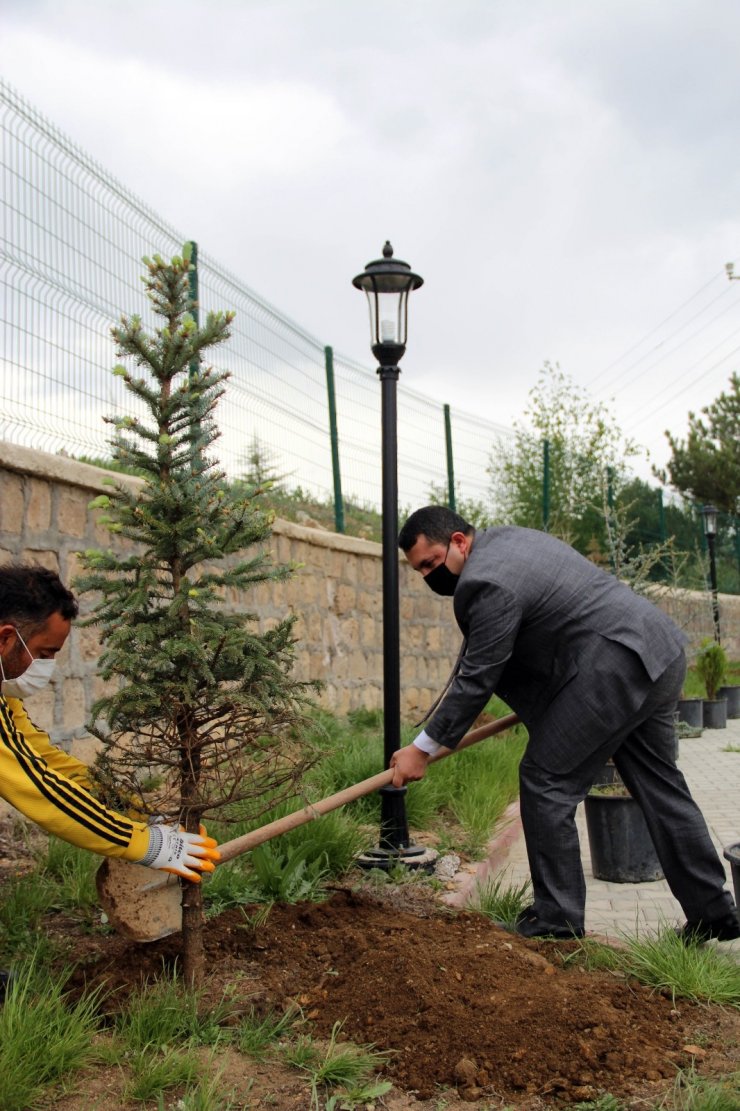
(72, 242)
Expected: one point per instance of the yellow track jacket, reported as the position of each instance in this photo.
(53, 790)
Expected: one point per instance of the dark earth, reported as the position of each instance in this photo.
(466, 1011)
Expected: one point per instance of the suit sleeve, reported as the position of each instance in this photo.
(490, 617)
(49, 787)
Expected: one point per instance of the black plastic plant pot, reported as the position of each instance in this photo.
(607, 775)
(732, 694)
(715, 713)
(622, 849)
(690, 711)
(732, 853)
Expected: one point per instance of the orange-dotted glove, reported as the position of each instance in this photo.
(185, 854)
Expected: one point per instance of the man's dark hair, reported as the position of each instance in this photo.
(436, 522)
(29, 595)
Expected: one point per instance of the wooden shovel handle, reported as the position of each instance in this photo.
(239, 845)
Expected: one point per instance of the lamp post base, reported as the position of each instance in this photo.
(414, 857)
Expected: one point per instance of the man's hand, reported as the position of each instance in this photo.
(184, 854)
(408, 764)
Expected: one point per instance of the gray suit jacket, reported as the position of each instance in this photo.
(568, 647)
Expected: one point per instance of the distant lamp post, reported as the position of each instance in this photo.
(387, 283)
(709, 521)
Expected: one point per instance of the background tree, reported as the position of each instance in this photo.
(473, 510)
(706, 466)
(586, 450)
(203, 700)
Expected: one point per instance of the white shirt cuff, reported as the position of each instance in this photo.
(426, 744)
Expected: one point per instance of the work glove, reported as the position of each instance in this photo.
(183, 854)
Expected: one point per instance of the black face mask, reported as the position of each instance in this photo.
(441, 580)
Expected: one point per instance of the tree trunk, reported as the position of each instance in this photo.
(193, 920)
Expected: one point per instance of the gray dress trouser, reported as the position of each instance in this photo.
(643, 752)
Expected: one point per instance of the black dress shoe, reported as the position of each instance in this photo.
(726, 928)
(529, 925)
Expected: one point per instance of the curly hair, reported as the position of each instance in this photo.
(30, 594)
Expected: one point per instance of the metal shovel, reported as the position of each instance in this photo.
(144, 904)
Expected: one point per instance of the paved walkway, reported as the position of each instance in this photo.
(713, 776)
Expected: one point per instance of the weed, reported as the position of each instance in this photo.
(257, 1032)
(155, 1072)
(285, 873)
(502, 901)
(208, 1096)
(338, 1065)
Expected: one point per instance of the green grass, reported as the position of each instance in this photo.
(153, 1073)
(43, 1038)
(501, 901)
(348, 1067)
(258, 1033)
(460, 799)
(664, 962)
(696, 1093)
(165, 1013)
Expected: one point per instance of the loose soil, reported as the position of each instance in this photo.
(466, 1011)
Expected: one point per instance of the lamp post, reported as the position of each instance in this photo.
(387, 283)
(709, 520)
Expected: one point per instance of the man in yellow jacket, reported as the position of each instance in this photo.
(47, 785)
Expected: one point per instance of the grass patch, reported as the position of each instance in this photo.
(696, 1093)
(348, 1067)
(154, 1073)
(43, 1038)
(664, 962)
(460, 800)
(163, 1013)
(502, 901)
(258, 1033)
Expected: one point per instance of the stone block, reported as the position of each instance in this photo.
(41, 556)
(85, 748)
(11, 503)
(38, 510)
(345, 599)
(40, 707)
(72, 512)
(350, 632)
(73, 704)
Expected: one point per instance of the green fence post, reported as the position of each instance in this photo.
(661, 516)
(450, 462)
(338, 502)
(546, 484)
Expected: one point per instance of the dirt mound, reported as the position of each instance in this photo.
(455, 1000)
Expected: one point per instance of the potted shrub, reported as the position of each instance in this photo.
(691, 711)
(711, 667)
(622, 849)
(731, 691)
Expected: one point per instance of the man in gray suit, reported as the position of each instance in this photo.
(594, 671)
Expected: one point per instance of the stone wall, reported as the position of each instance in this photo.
(335, 594)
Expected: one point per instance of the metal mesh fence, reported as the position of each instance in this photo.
(72, 243)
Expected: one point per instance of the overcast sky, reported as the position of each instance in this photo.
(565, 175)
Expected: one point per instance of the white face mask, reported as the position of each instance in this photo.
(36, 676)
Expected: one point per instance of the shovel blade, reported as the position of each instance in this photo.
(143, 904)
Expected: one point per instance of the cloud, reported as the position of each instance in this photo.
(142, 119)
